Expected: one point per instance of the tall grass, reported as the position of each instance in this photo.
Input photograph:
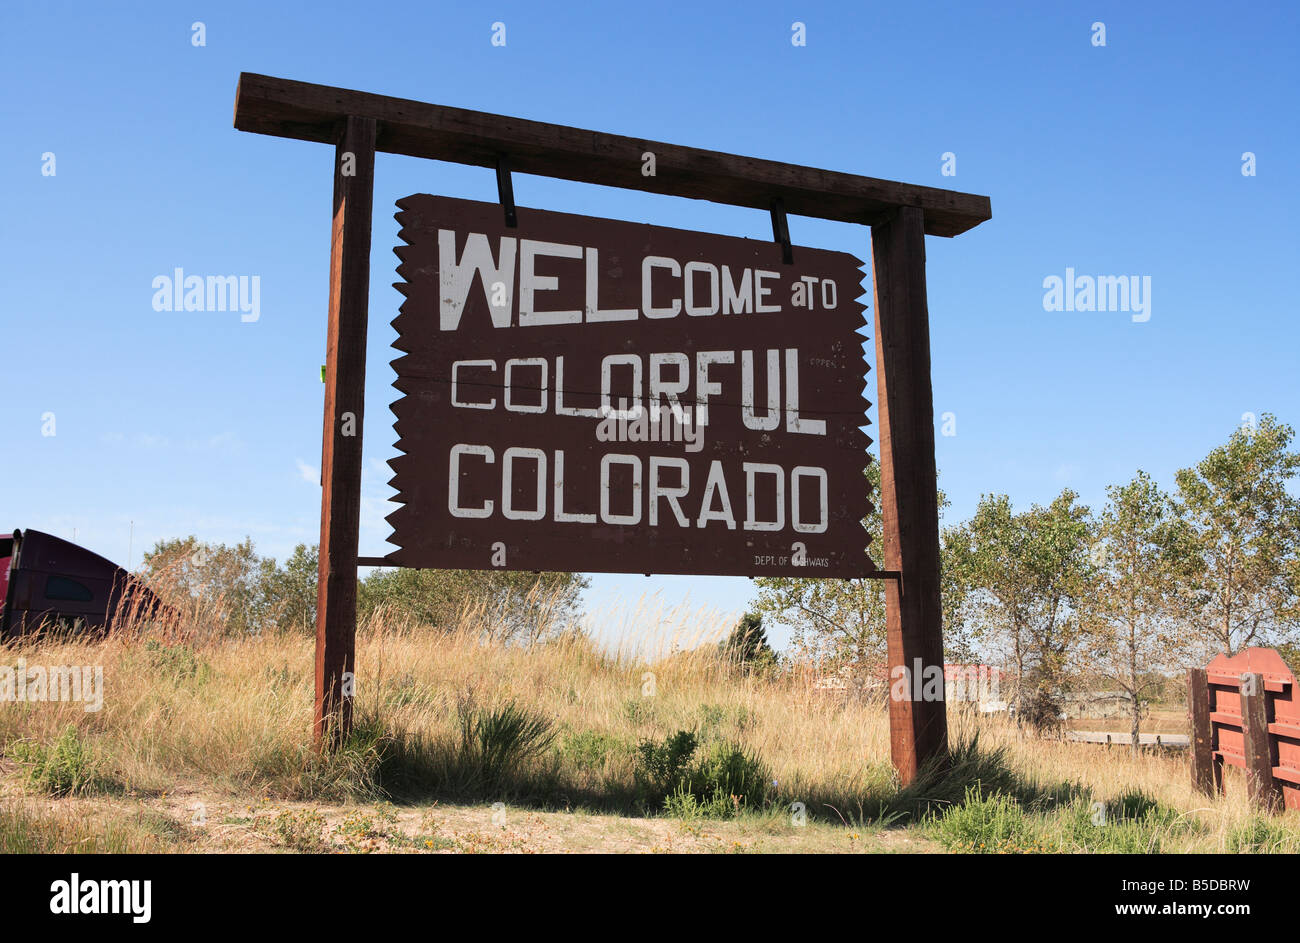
(463, 716)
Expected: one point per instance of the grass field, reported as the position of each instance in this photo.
(464, 745)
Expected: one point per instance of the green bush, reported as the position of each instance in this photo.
(496, 744)
(684, 804)
(177, 662)
(729, 770)
(299, 830)
(66, 767)
(588, 749)
(661, 766)
(717, 782)
(948, 782)
(1263, 836)
(987, 824)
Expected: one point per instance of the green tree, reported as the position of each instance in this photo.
(1244, 588)
(1139, 553)
(747, 645)
(509, 605)
(841, 622)
(292, 589)
(1024, 573)
(230, 585)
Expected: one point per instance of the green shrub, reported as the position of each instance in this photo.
(1263, 835)
(661, 766)
(1132, 823)
(987, 824)
(66, 767)
(684, 804)
(588, 749)
(179, 663)
(715, 782)
(300, 830)
(496, 744)
(729, 770)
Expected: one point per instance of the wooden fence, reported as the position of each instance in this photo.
(1244, 712)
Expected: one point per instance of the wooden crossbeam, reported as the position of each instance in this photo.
(301, 110)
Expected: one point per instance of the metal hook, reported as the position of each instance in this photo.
(506, 191)
(781, 231)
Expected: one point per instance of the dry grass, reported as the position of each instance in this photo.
(225, 722)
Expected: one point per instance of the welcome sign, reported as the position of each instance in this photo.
(594, 395)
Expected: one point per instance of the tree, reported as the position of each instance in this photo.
(244, 593)
(509, 605)
(227, 585)
(1024, 573)
(293, 589)
(839, 622)
(747, 645)
(1140, 551)
(1244, 588)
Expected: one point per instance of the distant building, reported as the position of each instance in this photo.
(981, 685)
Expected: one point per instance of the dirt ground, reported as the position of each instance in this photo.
(197, 821)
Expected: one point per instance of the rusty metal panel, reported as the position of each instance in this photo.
(602, 396)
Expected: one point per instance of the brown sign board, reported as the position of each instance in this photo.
(594, 395)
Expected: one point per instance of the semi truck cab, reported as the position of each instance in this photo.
(48, 582)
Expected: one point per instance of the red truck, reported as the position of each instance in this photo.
(51, 582)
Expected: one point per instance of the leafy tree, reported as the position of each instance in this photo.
(247, 593)
(839, 622)
(1245, 528)
(1140, 552)
(230, 584)
(293, 589)
(513, 606)
(1025, 572)
(747, 645)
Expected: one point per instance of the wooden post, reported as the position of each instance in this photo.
(1198, 719)
(908, 488)
(345, 378)
(1264, 791)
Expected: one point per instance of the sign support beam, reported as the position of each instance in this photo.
(909, 494)
(360, 123)
(345, 383)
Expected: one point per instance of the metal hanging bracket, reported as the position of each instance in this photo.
(781, 231)
(506, 191)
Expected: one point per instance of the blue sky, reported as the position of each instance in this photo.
(1117, 160)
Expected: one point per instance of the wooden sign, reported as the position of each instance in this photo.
(595, 269)
(603, 396)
